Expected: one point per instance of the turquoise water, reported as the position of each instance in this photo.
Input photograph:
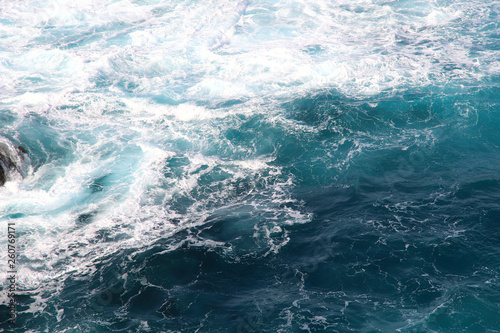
(252, 166)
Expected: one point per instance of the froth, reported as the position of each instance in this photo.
(212, 50)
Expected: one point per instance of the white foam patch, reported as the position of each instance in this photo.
(222, 50)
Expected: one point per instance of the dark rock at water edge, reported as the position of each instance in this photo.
(14, 160)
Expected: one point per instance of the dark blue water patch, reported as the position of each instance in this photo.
(85, 312)
(220, 288)
(23, 319)
(235, 228)
(407, 231)
(368, 266)
(463, 310)
(170, 290)
(479, 193)
(149, 299)
(420, 108)
(85, 218)
(461, 124)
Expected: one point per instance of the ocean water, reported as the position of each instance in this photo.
(252, 166)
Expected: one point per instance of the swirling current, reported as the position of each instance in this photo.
(250, 166)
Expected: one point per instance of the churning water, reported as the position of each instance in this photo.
(252, 166)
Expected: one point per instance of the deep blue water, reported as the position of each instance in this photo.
(252, 166)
